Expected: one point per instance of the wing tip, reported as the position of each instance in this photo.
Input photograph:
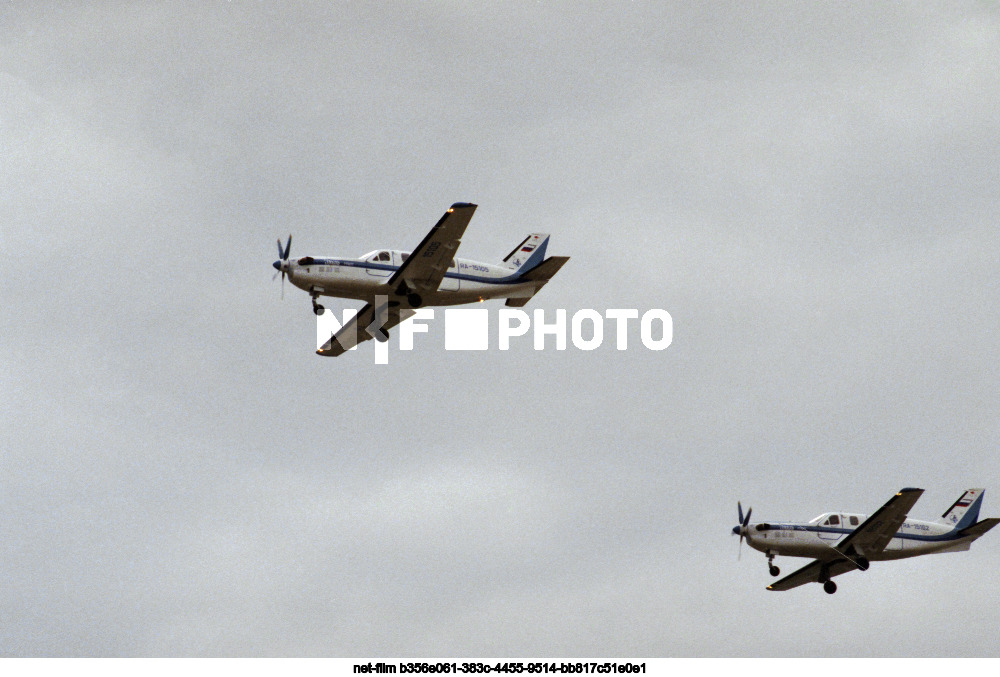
(464, 205)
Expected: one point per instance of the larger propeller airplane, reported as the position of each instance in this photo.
(842, 542)
(394, 282)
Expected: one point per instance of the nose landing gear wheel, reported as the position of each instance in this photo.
(317, 308)
(830, 587)
(414, 300)
(774, 570)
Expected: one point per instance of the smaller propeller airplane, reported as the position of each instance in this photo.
(842, 542)
(394, 282)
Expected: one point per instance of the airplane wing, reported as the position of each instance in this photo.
(812, 572)
(875, 532)
(425, 267)
(870, 538)
(356, 331)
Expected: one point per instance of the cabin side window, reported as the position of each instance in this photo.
(383, 256)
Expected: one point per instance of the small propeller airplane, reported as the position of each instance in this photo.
(394, 282)
(842, 542)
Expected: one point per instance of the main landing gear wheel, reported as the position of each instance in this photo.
(774, 570)
(830, 587)
(414, 300)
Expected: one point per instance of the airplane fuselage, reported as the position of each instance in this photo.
(817, 538)
(466, 281)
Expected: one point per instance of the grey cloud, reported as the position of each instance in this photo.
(808, 190)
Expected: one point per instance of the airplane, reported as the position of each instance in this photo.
(430, 275)
(842, 542)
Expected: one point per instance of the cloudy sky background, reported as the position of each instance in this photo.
(810, 190)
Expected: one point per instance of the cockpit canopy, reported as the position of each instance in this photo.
(387, 256)
(838, 520)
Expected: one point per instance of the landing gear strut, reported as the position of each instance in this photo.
(317, 308)
(774, 571)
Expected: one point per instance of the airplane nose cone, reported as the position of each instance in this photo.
(277, 265)
(736, 530)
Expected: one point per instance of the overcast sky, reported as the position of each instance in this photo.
(809, 189)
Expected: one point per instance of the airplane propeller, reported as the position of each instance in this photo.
(742, 528)
(281, 265)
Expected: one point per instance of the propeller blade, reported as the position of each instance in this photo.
(283, 256)
(744, 522)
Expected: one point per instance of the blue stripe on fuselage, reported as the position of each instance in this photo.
(509, 279)
(952, 535)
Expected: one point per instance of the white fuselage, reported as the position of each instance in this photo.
(816, 538)
(465, 281)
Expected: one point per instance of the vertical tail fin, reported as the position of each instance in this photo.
(529, 253)
(965, 511)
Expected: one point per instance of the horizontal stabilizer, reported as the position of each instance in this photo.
(546, 270)
(541, 274)
(980, 528)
